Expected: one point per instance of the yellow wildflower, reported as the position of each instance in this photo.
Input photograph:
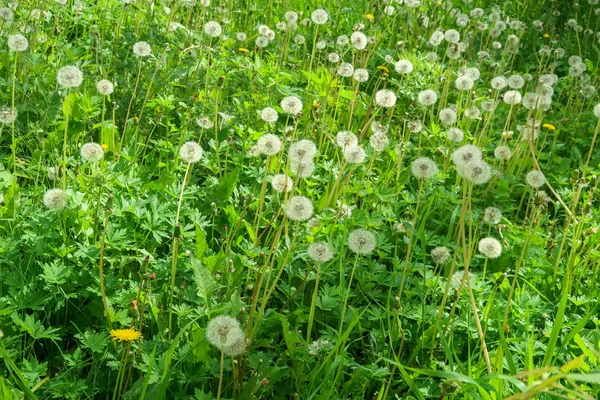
(104, 146)
(125, 335)
(549, 126)
(316, 105)
(383, 68)
(546, 35)
(243, 50)
(370, 16)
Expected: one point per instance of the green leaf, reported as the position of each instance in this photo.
(201, 244)
(224, 188)
(205, 283)
(69, 104)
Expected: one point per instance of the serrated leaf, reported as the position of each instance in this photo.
(205, 284)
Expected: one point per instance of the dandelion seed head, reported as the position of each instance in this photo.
(320, 252)
(477, 172)
(492, 216)
(515, 81)
(91, 152)
(361, 241)
(385, 98)
(447, 116)
(142, 49)
(359, 40)
(452, 36)
(269, 115)
(428, 97)
(298, 208)
(597, 110)
(269, 144)
(379, 142)
(535, 179)
(490, 247)
(379, 127)
(361, 75)
(105, 87)
(354, 154)
(282, 183)
(455, 134)
(440, 255)
(291, 105)
(302, 151)
(403, 67)
(498, 83)
(464, 83)
(302, 169)
(17, 42)
(345, 69)
(8, 115)
(512, 97)
(213, 29)
(55, 199)
(222, 331)
(319, 17)
(69, 77)
(238, 343)
(424, 168)
(190, 152)
(466, 154)
(502, 153)
(345, 138)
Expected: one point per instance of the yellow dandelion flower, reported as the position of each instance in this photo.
(370, 16)
(549, 126)
(546, 35)
(244, 50)
(125, 335)
(383, 68)
(104, 146)
(316, 105)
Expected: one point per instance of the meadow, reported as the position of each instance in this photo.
(266, 199)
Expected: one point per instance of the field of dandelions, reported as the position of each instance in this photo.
(262, 199)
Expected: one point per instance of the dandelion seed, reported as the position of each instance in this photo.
(105, 87)
(190, 152)
(447, 116)
(302, 151)
(403, 67)
(502, 153)
(91, 152)
(455, 135)
(282, 183)
(477, 172)
(17, 42)
(379, 141)
(535, 179)
(428, 97)
(298, 208)
(345, 139)
(319, 16)
(8, 115)
(490, 247)
(142, 49)
(69, 77)
(302, 169)
(345, 69)
(269, 115)
(440, 255)
(492, 216)
(291, 105)
(466, 154)
(424, 168)
(55, 199)
(320, 252)
(125, 335)
(512, 97)
(354, 154)
(213, 29)
(359, 40)
(361, 241)
(269, 144)
(223, 331)
(385, 98)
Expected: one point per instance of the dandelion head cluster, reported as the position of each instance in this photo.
(319, 17)
(223, 331)
(69, 77)
(447, 116)
(379, 142)
(535, 179)
(269, 144)
(345, 139)
(490, 247)
(354, 154)
(385, 98)
(190, 152)
(492, 215)
(282, 183)
(455, 134)
(91, 152)
(424, 168)
(362, 241)
(55, 199)
(302, 151)
(466, 154)
(17, 42)
(428, 97)
(440, 255)
(105, 87)
(298, 208)
(403, 67)
(320, 252)
(291, 105)
(502, 153)
(142, 49)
